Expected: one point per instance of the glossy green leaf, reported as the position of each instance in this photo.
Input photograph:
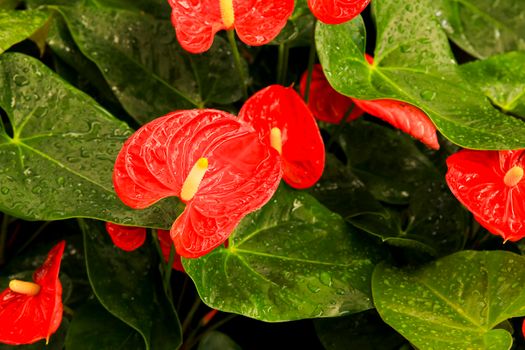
(58, 162)
(93, 328)
(386, 160)
(413, 63)
(502, 79)
(299, 28)
(363, 331)
(16, 26)
(128, 286)
(217, 341)
(463, 296)
(343, 192)
(483, 27)
(145, 67)
(292, 259)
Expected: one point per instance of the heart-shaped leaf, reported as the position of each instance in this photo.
(502, 79)
(463, 296)
(127, 285)
(292, 259)
(165, 79)
(93, 327)
(413, 63)
(16, 26)
(483, 27)
(58, 161)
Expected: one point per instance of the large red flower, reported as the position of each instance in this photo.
(280, 108)
(31, 311)
(490, 184)
(217, 164)
(401, 115)
(257, 22)
(336, 11)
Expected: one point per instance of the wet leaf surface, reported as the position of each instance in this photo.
(292, 259)
(128, 286)
(483, 27)
(16, 26)
(413, 63)
(463, 296)
(58, 162)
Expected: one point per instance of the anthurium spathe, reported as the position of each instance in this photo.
(257, 22)
(337, 11)
(214, 162)
(400, 115)
(491, 185)
(31, 311)
(280, 111)
(127, 238)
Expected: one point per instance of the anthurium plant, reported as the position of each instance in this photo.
(262, 174)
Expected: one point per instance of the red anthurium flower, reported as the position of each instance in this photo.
(165, 246)
(325, 103)
(257, 22)
(280, 113)
(31, 311)
(491, 185)
(127, 238)
(523, 328)
(401, 115)
(336, 11)
(217, 164)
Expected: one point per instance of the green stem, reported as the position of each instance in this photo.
(340, 127)
(32, 238)
(189, 316)
(181, 295)
(3, 237)
(238, 62)
(311, 61)
(282, 63)
(191, 342)
(167, 271)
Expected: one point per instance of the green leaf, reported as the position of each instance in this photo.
(386, 160)
(292, 259)
(462, 296)
(128, 286)
(363, 331)
(483, 27)
(58, 162)
(217, 341)
(145, 67)
(299, 28)
(93, 328)
(502, 79)
(16, 26)
(413, 63)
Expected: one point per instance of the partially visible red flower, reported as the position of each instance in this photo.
(165, 246)
(401, 115)
(127, 238)
(280, 108)
(257, 22)
(523, 328)
(490, 184)
(325, 103)
(31, 311)
(216, 163)
(337, 11)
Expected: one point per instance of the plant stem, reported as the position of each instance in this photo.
(167, 271)
(3, 237)
(340, 127)
(33, 236)
(238, 62)
(311, 61)
(282, 64)
(189, 316)
(181, 295)
(191, 342)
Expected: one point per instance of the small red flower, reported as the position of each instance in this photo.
(31, 311)
(216, 163)
(278, 108)
(490, 184)
(337, 11)
(127, 238)
(401, 115)
(257, 22)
